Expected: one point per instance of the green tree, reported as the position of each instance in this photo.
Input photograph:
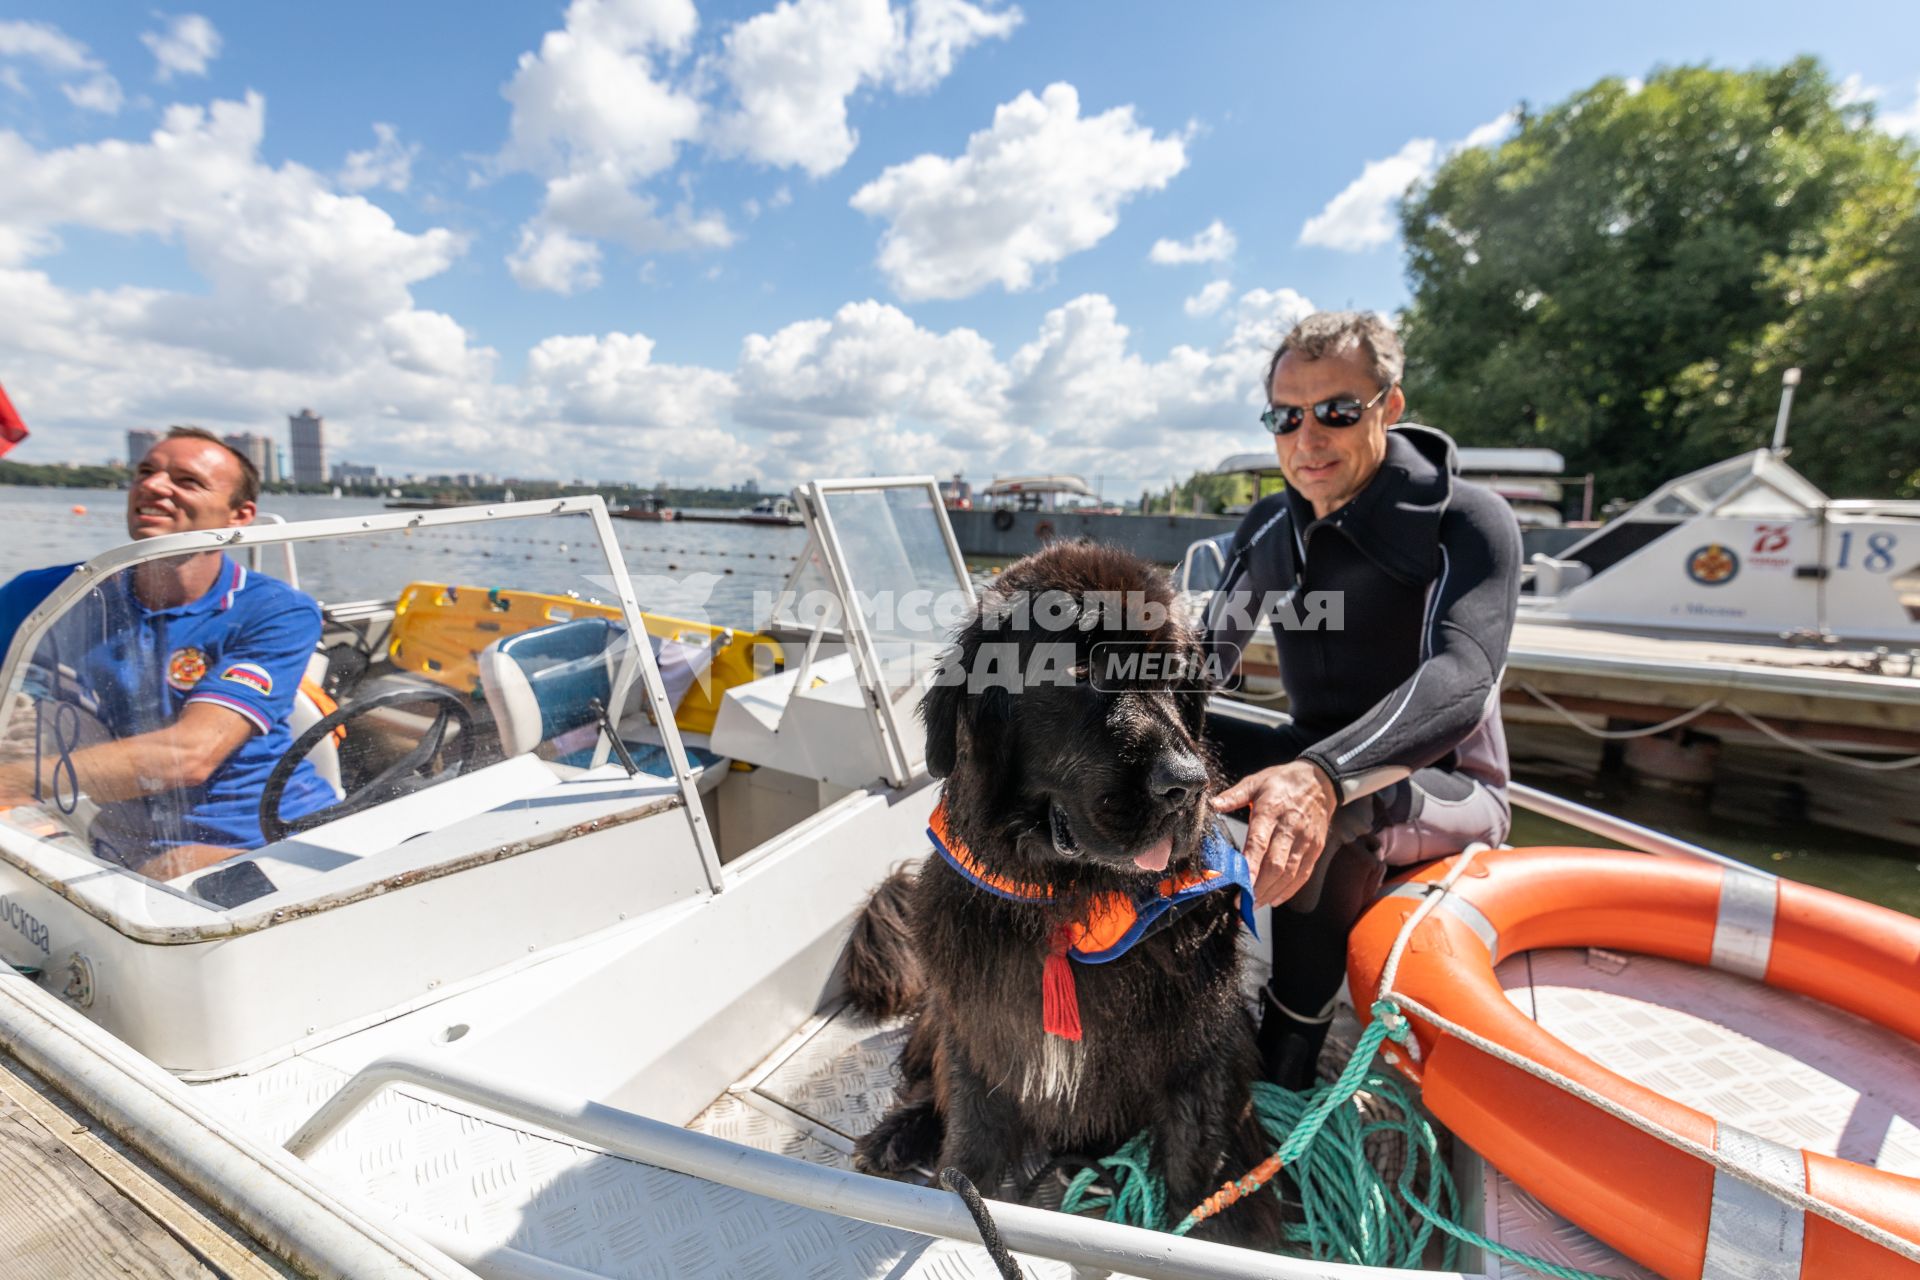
(1853, 329)
(1214, 492)
(1623, 279)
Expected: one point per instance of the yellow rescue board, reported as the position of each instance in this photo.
(439, 631)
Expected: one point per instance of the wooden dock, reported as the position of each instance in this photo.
(75, 1202)
(1833, 697)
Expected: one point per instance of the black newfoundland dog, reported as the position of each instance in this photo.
(1071, 962)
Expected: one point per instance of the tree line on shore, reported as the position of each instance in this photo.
(1627, 276)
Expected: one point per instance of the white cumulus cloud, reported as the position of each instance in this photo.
(388, 164)
(1363, 215)
(99, 92)
(550, 259)
(792, 70)
(596, 111)
(84, 78)
(306, 292)
(937, 32)
(1906, 122)
(1215, 243)
(1042, 183)
(593, 96)
(184, 48)
(1492, 133)
(1209, 299)
(46, 44)
(305, 296)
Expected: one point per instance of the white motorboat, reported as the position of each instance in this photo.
(567, 1006)
(1745, 547)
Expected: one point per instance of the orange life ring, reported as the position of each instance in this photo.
(1664, 1207)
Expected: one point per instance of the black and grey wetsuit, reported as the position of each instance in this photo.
(1391, 618)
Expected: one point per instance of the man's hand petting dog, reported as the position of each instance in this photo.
(1289, 808)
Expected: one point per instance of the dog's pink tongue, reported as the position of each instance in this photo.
(1155, 859)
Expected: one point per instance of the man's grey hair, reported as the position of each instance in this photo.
(1335, 333)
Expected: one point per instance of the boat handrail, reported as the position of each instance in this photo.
(1619, 830)
(1082, 1242)
(279, 1202)
(1903, 507)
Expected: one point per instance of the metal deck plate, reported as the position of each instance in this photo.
(501, 1185)
(843, 1076)
(1772, 1063)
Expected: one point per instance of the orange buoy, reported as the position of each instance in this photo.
(79, 510)
(1662, 1206)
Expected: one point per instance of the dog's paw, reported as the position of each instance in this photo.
(906, 1137)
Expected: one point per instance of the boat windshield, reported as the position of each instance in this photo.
(184, 713)
(1753, 484)
(898, 571)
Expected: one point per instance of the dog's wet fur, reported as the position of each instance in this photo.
(1063, 785)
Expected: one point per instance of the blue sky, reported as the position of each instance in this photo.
(643, 238)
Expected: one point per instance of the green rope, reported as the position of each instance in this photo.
(1348, 1212)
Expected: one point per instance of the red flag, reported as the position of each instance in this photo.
(12, 429)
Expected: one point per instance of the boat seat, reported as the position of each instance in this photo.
(1552, 577)
(545, 687)
(439, 632)
(310, 706)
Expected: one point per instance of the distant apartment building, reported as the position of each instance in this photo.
(138, 443)
(259, 450)
(309, 448)
(353, 473)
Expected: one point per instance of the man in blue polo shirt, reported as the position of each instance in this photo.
(191, 663)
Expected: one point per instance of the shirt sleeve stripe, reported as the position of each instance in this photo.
(234, 704)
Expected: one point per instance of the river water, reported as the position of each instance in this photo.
(726, 573)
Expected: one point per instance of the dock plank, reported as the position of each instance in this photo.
(59, 1218)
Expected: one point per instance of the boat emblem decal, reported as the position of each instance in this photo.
(185, 667)
(1713, 565)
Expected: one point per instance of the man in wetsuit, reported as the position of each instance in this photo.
(1392, 586)
(192, 663)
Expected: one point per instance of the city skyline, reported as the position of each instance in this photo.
(626, 235)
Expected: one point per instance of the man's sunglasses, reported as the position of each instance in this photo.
(1341, 411)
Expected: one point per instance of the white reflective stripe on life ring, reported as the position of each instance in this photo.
(1752, 1235)
(1743, 930)
(1462, 910)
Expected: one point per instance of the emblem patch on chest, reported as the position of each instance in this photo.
(185, 667)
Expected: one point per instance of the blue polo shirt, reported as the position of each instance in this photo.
(243, 646)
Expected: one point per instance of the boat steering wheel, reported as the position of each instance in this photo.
(404, 776)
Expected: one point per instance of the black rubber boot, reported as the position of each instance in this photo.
(1290, 1047)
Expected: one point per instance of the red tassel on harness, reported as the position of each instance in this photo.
(1059, 1001)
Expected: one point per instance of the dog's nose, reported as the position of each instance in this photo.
(1176, 776)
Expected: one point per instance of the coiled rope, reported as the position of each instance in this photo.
(1348, 1213)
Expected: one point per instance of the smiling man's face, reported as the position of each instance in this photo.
(184, 483)
(1329, 465)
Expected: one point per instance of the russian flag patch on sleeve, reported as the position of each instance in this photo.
(250, 674)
